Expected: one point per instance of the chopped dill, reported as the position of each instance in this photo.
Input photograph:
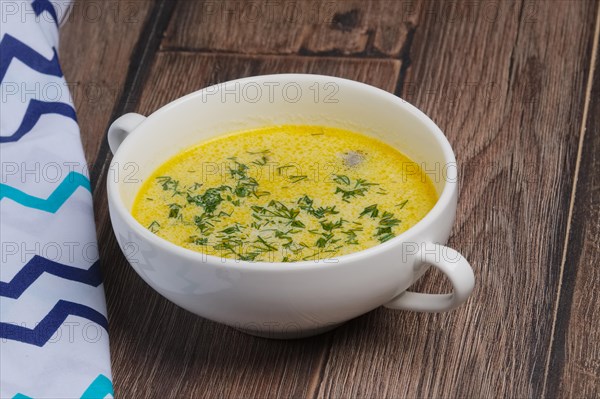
(282, 168)
(297, 178)
(285, 225)
(154, 226)
(371, 210)
(174, 210)
(402, 204)
(359, 189)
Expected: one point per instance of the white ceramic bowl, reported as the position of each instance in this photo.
(283, 300)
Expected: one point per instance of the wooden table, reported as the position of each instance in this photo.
(513, 86)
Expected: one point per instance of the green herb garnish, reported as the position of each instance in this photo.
(359, 189)
(342, 179)
(402, 204)
(262, 161)
(169, 184)
(154, 226)
(282, 168)
(174, 210)
(297, 178)
(306, 204)
(371, 210)
(384, 229)
(275, 225)
(210, 200)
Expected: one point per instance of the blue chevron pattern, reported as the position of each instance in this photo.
(98, 389)
(55, 201)
(39, 265)
(12, 48)
(39, 6)
(34, 112)
(28, 56)
(46, 328)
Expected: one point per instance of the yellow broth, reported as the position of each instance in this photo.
(284, 194)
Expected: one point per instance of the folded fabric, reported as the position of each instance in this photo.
(53, 324)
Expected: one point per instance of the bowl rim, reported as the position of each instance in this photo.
(445, 199)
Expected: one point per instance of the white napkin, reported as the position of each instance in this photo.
(53, 325)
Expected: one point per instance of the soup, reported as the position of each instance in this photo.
(285, 194)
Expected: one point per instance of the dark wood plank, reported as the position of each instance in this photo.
(162, 351)
(575, 365)
(375, 28)
(172, 77)
(509, 94)
(96, 45)
(140, 63)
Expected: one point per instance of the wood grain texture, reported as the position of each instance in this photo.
(512, 112)
(96, 44)
(161, 351)
(575, 365)
(373, 28)
(178, 73)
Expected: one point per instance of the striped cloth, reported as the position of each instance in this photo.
(53, 325)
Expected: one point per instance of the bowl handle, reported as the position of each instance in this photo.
(120, 129)
(455, 267)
